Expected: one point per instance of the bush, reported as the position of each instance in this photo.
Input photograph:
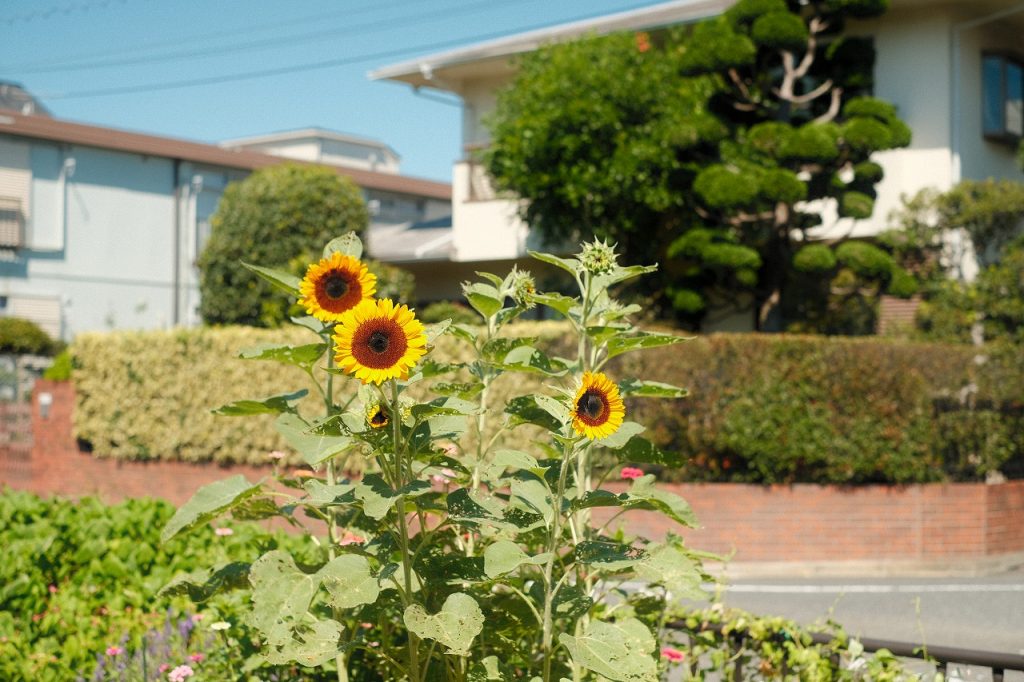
(761, 408)
(24, 337)
(448, 310)
(273, 217)
(79, 577)
(61, 368)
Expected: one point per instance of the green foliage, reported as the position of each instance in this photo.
(269, 218)
(814, 258)
(989, 210)
(61, 368)
(24, 337)
(393, 282)
(448, 310)
(725, 128)
(812, 409)
(865, 259)
(79, 577)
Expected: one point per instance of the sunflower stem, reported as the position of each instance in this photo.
(547, 634)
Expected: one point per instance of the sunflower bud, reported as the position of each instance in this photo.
(598, 257)
(523, 288)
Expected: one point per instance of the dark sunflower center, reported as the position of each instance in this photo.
(591, 405)
(379, 418)
(336, 286)
(378, 342)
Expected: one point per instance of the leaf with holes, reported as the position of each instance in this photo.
(623, 343)
(314, 448)
(300, 356)
(349, 582)
(281, 595)
(619, 651)
(275, 404)
(671, 566)
(347, 244)
(455, 627)
(641, 495)
(202, 584)
(504, 556)
(635, 388)
(208, 502)
(378, 497)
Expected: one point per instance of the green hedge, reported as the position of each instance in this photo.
(763, 408)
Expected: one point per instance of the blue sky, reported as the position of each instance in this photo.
(71, 53)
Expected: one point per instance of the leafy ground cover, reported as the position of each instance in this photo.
(80, 600)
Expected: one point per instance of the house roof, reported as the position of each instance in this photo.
(303, 133)
(422, 71)
(55, 130)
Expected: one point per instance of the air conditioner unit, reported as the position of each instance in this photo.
(12, 223)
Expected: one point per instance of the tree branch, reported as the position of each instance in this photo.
(833, 107)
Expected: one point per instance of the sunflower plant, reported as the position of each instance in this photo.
(456, 557)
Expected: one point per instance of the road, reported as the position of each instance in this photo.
(984, 613)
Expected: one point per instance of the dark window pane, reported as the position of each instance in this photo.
(992, 93)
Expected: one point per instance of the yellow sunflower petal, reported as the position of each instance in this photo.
(335, 285)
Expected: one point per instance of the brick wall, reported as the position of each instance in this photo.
(761, 523)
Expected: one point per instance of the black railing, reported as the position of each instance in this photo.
(941, 656)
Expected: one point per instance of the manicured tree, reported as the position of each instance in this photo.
(717, 145)
(270, 217)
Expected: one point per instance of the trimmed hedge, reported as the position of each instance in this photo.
(763, 408)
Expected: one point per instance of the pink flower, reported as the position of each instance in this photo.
(276, 455)
(180, 673)
(223, 531)
(114, 651)
(197, 658)
(350, 538)
(164, 667)
(673, 655)
(366, 626)
(631, 473)
(197, 617)
(53, 589)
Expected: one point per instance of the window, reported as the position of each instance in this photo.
(1003, 98)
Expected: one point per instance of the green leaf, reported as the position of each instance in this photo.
(642, 451)
(641, 340)
(285, 281)
(322, 494)
(557, 302)
(611, 556)
(495, 350)
(487, 670)
(619, 651)
(312, 645)
(455, 627)
(349, 582)
(464, 332)
(528, 359)
(300, 356)
(257, 508)
(313, 447)
(310, 323)
(483, 297)
(378, 497)
(433, 331)
(642, 495)
(476, 508)
(621, 274)
(275, 404)
(622, 436)
(465, 391)
(498, 282)
(555, 408)
(532, 494)
(432, 368)
(202, 584)
(444, 407)
(209, 501)
(635, 388)
(281, 595)
(504, 556)
(573, 267)
(524, 410)
(671, 566)
(505, 459)
(347, 244)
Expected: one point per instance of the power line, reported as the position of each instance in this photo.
(324, 64)
(28, 67)
(54, 10)
(279, 41)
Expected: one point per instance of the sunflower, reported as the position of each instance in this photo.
(597, 409)
(377, 416)
(334, 286)
(378, 340)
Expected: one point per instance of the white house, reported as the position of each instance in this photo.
(953, 68)
(323, 146)
(101, 228)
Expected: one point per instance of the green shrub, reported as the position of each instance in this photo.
(761, 408)
(448, 310)
(61, 368)
(272, 217)
(24, 337)
(79, 576)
